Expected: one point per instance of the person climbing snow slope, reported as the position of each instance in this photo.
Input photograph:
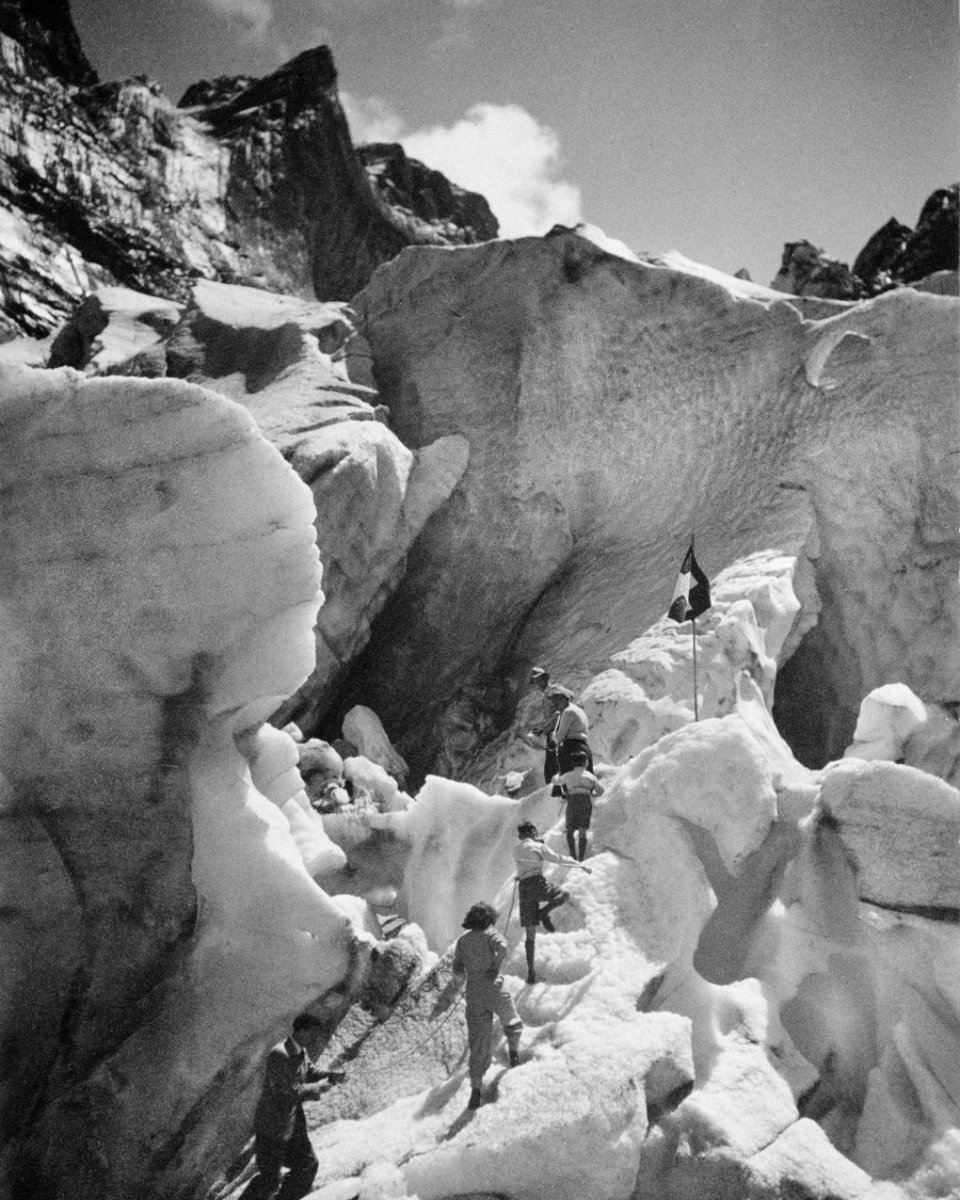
(478, 955)
(538, 897)
(578, 786)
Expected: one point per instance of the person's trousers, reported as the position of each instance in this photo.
(480, 1035)
(294, 1152)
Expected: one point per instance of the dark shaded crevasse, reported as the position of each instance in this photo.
(811, 716)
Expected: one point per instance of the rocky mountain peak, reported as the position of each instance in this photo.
(304, 82)
(45, 30)
(248, 181)
(894, 256)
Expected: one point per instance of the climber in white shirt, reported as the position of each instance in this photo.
(538, 897)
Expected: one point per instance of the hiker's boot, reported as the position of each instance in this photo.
(475, 1098)
(545, 921)
(513, 1045)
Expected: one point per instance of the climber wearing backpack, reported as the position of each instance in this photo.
(578, 786)
(538, 897)
(478, 955)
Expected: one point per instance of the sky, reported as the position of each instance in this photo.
(718, 128)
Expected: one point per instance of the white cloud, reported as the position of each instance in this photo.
(498, 150)
(507, 155)
(256, 15)
(371, 119)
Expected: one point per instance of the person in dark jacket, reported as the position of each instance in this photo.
(280, 1125)
(478, 955)
(540, 727)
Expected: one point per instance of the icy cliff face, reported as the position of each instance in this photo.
(159, 589)
(255, 182)
(297, 366)
(726, 1008)
(612, 408)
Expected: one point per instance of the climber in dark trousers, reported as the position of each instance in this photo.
(478, 955)
(280, 1124)
(578, 786)
(540, 734)
(538, 897)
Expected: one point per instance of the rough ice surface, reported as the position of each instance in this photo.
(158, 604)
(729, 1006)
(756, 991)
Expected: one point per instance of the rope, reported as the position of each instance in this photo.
(510, 909)
(433, 1033)
(423, 1041)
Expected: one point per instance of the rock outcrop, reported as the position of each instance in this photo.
(894, 256)
(45, 31)
(806, 271)
(612, 407)
(253, 182)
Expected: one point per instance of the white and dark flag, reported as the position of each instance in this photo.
(691, 596)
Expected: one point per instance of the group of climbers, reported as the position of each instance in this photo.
(282, 1139)
(568, 762)
(480, 951)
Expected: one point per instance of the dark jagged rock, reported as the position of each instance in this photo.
(935, 243)
(894, 256)
(219, 91)
(46, 32)
(806, 271)
(251, 181)
(880, 251)
(407, 184)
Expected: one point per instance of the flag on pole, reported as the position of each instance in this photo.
(691, 596)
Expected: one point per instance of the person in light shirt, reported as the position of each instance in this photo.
(578, 786)
(538, 897)
(478, 955)
(571, 730)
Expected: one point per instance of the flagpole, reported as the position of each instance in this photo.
(693, 631)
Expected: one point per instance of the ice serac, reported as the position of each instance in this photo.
(612, 408)
(300, 368)
(255, 181)
(159, 586)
